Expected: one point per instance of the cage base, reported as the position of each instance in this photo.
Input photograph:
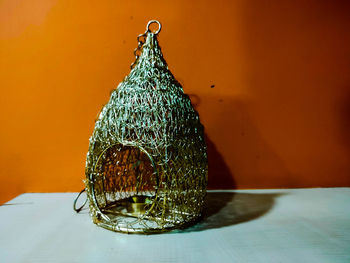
(130, 215)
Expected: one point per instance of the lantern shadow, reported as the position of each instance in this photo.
(219, 174)
(224, 209)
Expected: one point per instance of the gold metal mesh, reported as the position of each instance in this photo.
(146, 168)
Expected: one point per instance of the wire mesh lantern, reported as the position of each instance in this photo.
(146, 168)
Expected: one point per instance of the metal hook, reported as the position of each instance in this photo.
(75, 202)
(151, 22)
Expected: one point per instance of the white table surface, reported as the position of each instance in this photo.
(291, 225)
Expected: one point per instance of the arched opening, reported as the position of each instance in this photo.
(125, 182)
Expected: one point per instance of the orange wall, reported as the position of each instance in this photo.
(278, 116)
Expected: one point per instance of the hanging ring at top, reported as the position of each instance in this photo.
(141, 41)
(151, 22)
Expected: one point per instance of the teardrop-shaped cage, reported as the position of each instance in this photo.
(146, 168)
